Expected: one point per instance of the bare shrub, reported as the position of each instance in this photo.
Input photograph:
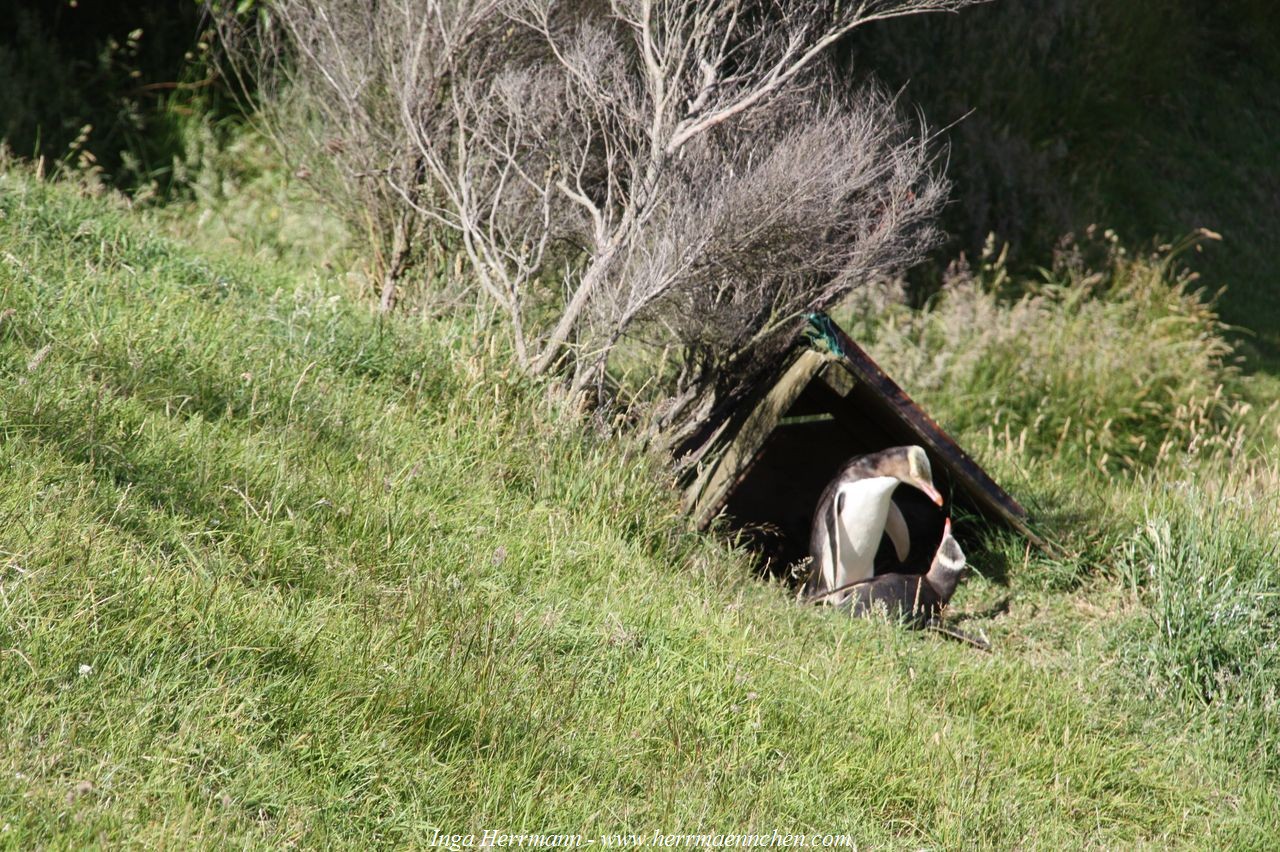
(683, 176)
(321, 73)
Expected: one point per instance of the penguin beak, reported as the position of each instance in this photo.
(928, 489)
(946, 529)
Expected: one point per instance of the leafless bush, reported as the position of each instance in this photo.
(680, 173)
(321, 72)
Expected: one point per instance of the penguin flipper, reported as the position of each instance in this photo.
(833, 535)
(895, 526)
(822, 550)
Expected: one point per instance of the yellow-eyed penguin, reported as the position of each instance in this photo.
(854, 510)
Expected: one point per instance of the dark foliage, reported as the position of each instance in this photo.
(104, 84)
(1153, 118)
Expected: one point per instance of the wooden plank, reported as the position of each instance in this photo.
(706, 496)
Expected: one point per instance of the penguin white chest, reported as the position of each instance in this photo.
(861, 510)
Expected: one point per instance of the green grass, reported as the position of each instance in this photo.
(1107, 396)
(276, 570)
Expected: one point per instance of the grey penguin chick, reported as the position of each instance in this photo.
(914, 599)
(854, 511)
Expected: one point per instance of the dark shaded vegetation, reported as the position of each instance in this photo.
(107, 86)
(1150, 118)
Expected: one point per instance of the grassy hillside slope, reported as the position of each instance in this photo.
(275, 570)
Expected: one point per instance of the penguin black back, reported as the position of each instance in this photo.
(914, 599)
(903, 597)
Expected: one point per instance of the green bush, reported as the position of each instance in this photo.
(1055, 101)
(1154, 117)
(1204, 561)
(1106, 389)
(1114, 361)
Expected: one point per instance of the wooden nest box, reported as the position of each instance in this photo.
(770, 458)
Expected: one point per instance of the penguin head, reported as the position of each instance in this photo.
(948, 564)
(919, 474)
(949, 556)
